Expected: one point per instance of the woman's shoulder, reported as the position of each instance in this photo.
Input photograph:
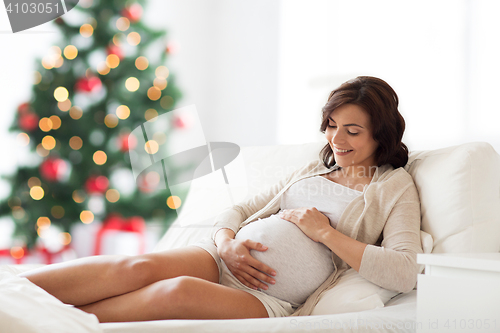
(388, 172)
(396, 180)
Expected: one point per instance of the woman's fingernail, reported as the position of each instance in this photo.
(273, 282)
(273, 273)
(265, 287)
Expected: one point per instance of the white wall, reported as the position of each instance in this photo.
(441, 57)
(226, 64)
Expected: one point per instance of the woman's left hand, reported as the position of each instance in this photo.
(310, 220)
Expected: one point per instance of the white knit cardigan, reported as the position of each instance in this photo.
(386, 217)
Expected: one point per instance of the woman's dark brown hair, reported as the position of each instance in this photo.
(380, 101)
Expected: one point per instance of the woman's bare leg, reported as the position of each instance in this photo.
(179, 298)
(91, 279)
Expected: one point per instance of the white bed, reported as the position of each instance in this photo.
(459, 191)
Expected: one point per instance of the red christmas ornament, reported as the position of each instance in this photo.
(91, 84)
(53, 169)
(28, 121)
(127, 142)
(116, 50)
(133, 13)
(96, 184)
(24, 108)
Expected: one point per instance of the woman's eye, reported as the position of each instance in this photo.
(333, 126)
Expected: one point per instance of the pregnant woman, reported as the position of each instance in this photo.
(277, 253)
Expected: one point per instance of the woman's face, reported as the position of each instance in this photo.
(349, 128)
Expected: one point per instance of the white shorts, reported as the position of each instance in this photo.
(274, 306)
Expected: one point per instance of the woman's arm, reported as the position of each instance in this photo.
(393, 265)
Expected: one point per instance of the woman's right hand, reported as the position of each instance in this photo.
(250, 271)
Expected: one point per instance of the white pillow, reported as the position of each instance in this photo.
(352, 293)
(26, 308)
(459, 195)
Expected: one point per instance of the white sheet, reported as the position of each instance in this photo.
(399, 317)
(26, 308)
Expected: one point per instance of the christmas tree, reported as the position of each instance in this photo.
(106, 77)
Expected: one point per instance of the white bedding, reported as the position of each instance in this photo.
(399, 317)
(25, 308)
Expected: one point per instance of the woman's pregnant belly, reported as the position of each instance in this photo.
(301, 264)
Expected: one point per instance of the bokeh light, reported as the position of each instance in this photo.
(151, 115)
(160, 83)
(162, 72)
(112, 195)
(41, 151)
(132, 84)
(78, 196)
(65, 238)
(17, 252)
(64, 105)
(122, 24)
(86, 30)
(37, 193)
(48, 142)
(86, 216)
(111, 120)
(70, 52)
(34, 181)
(43, 222)
(154, 93)
(151, 147)
(61, 94)
(75, 142)
(133, 38)
(56, 122)
(99, 157)
(141, 63)
(45, 124)
(75, 112)
(122, 112)
(23, 139)
(112, 61)
(173, 202)
(103, 68)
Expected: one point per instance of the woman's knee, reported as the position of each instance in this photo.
(176, 292)
(136, 269)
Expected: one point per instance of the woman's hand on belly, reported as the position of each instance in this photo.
(311, 221)
(247, 269)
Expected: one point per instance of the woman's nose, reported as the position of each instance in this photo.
(338, 137)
